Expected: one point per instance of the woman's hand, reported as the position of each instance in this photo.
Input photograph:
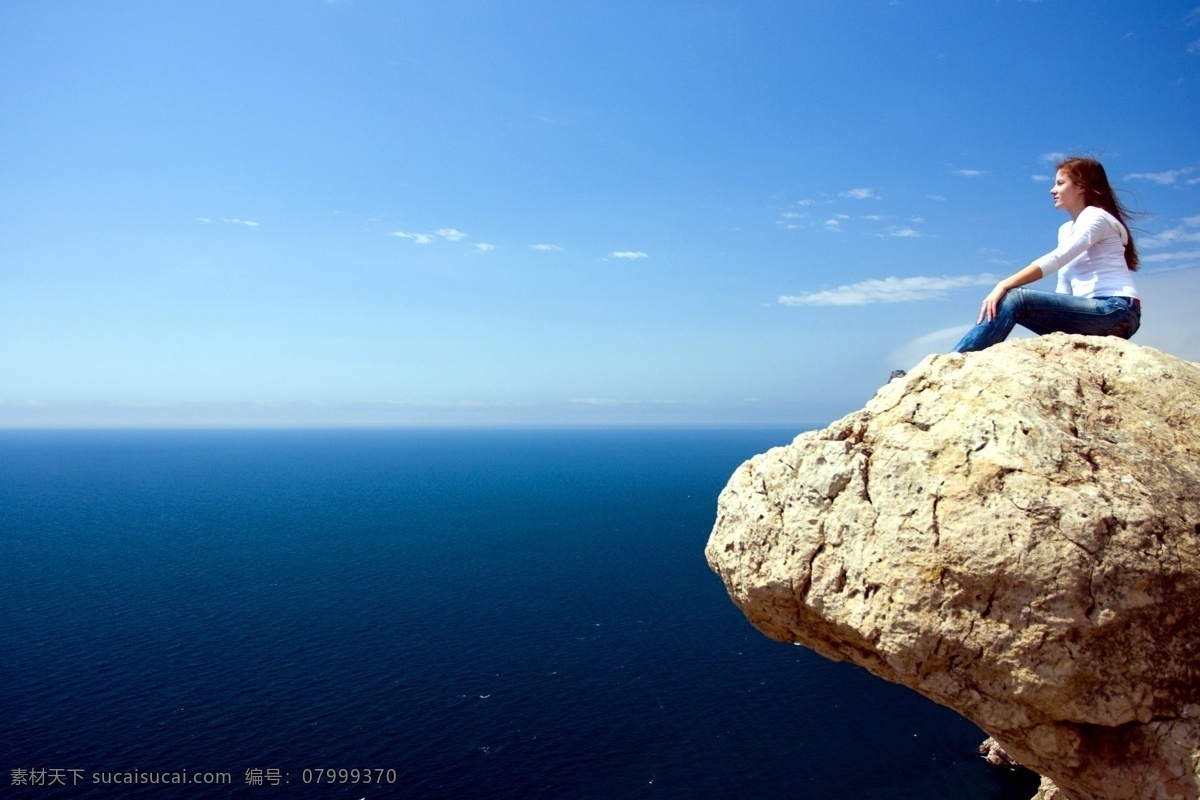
(991, 303)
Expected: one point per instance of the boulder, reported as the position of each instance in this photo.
(994, 754)
(1013, 533)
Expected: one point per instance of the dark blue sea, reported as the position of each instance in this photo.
(418, 613)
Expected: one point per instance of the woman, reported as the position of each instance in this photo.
(1095, 261)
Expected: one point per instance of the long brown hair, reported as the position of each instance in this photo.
(1088, 174)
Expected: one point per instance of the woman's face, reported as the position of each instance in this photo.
(1068, 195)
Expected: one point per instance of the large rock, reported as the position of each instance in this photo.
(1014, 533)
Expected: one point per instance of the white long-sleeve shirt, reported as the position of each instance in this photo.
(1090, 257)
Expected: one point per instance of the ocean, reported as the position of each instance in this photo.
(418, 614)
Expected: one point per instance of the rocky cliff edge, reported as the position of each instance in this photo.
(1014, 533)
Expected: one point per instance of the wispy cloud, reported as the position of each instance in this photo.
(900, 232)
(887, 290)
(1191, 256)
(631, 255)
(790, 220)
(419, 238)
(1165, 178)
(600, 401)
(548, 248)
(967, 173)
(229, 220)
(1169, 237)
(860, 194)
(1189, 231)
(484, 247)
(1177, 261)
(449, 234)
(616, 401)
(911, 353)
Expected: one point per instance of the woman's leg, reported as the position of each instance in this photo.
(1050, 312)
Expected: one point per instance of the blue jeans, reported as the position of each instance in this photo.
(1051, 312)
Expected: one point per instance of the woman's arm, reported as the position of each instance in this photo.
(1093, 224)
(990, 303)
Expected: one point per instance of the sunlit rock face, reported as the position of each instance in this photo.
(1014, 533)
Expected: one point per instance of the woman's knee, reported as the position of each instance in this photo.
(1014, 302)
(1017, 298)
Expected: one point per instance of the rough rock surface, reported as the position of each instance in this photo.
(995, 755)
(1014, 533)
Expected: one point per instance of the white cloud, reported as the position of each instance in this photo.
(549, 248)
(967, 173)
(632, 255)
(1174, 235)
(789, 220)
(600, 401)
(909, 354)
(1039, 178)
(903, 233)
(450, 234)
(860, 194)
(1179, 255)
(887, 290)
(552, 120)
(419, 238)
(939, 198)
(1054, 158)
(913, 352)
(614, 401)
(231, 221)
(1169, 237)
(1165, 178)
(833, 225)
(484, 246)
(1160, 263)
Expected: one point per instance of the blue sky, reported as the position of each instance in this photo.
(361, 212)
